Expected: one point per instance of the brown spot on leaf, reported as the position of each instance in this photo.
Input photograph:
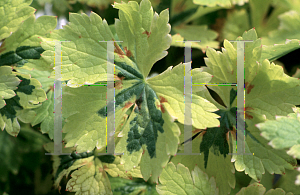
(128, 52)
(127, 105)
(247, 115)
(248, 87)
(161, 108)
(148, 33)
(162, 100)
(118, 84)
(118, 50)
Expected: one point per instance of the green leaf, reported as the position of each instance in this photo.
(12, 14)
(180, 11)
(264, 158)
(270, 82)
(87, 172)
(141, 31)
(288, 181)
(242, 180)
(222, 3)
(122, 186)
(166, 142)
(179, 180)
(138, 28)
(116, 169)
(268, 181)
(273, 52)
(28, 95)
(166, 145)
(103, 4)
(41, 76)
(275, 84)
(29, 33)
(260, 190)
(201, 11)
(262, 19)
(89, 179)
(288, 29)
(265, 79)
(173, 100)
(216, 137)
(23, 48)
(45, 113)
(84, 127)
(8, 83)
(283, 133)
(191, 32)
(217, 166)
(21, 55)
(236, 24)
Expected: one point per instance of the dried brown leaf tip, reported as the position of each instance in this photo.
(147, 33)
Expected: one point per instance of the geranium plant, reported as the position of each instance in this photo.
(150, 109)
